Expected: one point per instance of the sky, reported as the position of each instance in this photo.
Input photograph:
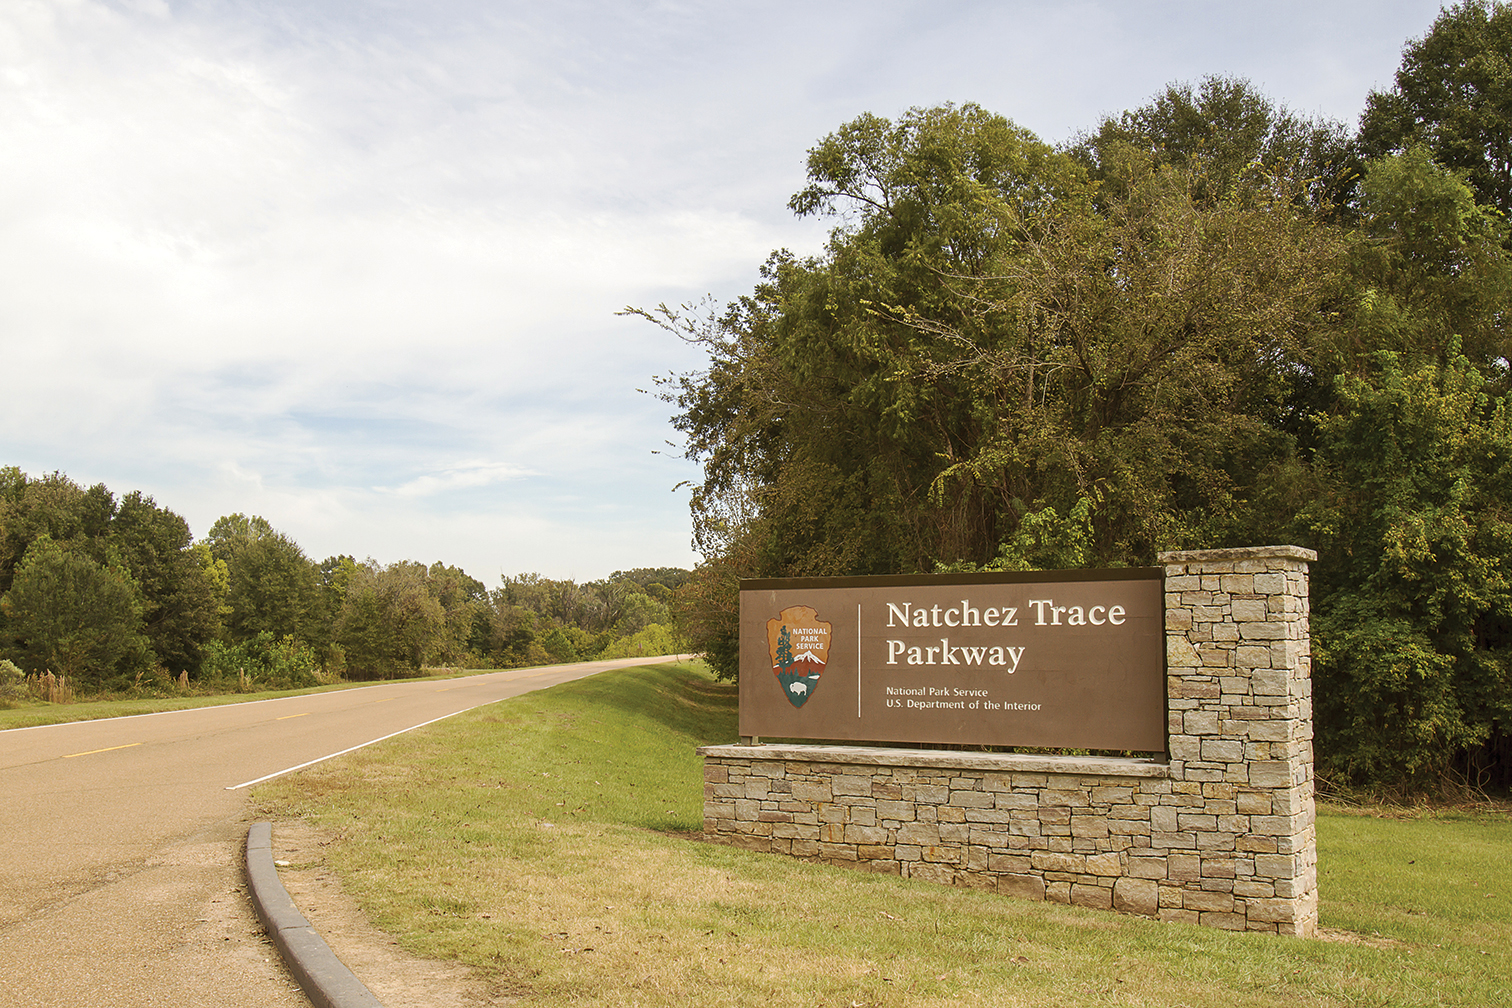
(354, 265)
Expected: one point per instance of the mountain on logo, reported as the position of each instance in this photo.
(813, 661)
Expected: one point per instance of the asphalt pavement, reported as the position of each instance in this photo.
(121, 839)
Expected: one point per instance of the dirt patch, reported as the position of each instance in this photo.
(395, 977)
(1355, 938)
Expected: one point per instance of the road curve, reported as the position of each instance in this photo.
(120, 839)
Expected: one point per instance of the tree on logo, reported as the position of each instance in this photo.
(785, 649)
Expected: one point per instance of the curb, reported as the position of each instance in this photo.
(324, 979)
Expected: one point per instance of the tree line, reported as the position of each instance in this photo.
(1206, 322)
(115, 594)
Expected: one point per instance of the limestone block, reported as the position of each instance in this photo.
(1275, 866)
(1067, 798)
(1181, 654)
(1252, 890)
(972, 799)
(1051, 861)
(1199, 723)
(865, 834)
(1202, 900)
(1023, 886)
(1222, 750)
(944, 855)
(1252, 656)
(1216, 656)
(1105, 865)
(954, 832)
(1237, 584)
(1253, 802)
(1226, 921)
(812, 791)
(940, 873)
(1270, 774)
(1136, 896)
(1145, 866)
(923, 834)
(1272, 910)
(1095, 897)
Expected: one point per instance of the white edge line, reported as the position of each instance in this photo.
(360, 745)
(401, 731)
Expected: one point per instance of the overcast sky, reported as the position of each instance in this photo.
(353, 265)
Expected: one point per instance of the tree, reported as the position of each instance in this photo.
(993, 340)
(70, 615)
(180, 598)
(1430, 266)
(1453, 95)
(1228, 135)
(389, 621)
(272, 584)
(1413, 630)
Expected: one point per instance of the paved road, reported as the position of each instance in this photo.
(120, 840)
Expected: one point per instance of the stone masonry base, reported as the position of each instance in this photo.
(1221, 835)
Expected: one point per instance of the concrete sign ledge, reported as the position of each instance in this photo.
(1108, 766)
(324, 979)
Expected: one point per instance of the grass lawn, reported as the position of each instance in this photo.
(550, 842)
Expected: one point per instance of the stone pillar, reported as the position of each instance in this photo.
(1239, 696)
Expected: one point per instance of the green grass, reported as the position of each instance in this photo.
(38, 712)
(548, 842)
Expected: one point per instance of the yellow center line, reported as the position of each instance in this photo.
(106, 749)
(287, 716)
(384, 700)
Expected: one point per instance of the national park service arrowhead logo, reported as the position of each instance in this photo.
(799, 645)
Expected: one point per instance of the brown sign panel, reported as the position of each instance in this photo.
(1064, 659)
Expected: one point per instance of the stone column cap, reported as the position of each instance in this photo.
(1238, 553)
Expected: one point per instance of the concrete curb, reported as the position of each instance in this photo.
(324, 979)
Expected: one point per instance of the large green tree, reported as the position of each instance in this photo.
(994, 338)
(1413, 521)
(67, 614)
(1453, 95)
(272, 584)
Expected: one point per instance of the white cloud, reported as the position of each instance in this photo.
(457, 477)
(353, 266)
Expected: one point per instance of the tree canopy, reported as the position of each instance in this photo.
(1209, 323)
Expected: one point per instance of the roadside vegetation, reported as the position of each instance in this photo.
(1204, 322)
(28, 712)
(551, 843)
(104, 597)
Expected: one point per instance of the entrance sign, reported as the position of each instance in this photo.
(1064, 659)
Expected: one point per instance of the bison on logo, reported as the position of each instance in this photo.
(799, 646)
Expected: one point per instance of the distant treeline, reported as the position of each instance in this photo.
(115, 593)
